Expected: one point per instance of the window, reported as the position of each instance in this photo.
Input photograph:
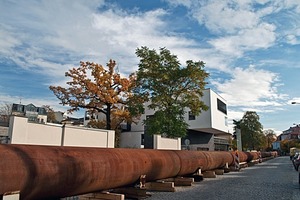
(191, 116)
(17, 108)
(142, 139)
(41, 111)
(30, 108)
(222, 106)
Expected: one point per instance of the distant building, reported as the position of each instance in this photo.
(30, 111)
(59, 117)
(4, 124)
(4, 134)
(292, 133)
(73, 121)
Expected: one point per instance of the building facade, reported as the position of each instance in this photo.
(30, 111)
(208, 131)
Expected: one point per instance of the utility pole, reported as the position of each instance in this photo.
(238, 139)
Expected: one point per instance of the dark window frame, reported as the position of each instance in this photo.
(222, 106)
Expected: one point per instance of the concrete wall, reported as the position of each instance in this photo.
(131, 140)
(3, 131)
(134, 140)
(166, 143)
(80, 136)
(199, 141)
(22, 132)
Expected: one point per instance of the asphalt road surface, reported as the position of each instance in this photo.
(271, 180)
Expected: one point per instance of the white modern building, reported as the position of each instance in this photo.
(208, 131)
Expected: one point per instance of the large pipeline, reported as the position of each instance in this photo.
(43, 172)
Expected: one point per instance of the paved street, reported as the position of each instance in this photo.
(271, 180)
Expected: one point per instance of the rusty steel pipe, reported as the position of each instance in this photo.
(205, 160)
(41, 172)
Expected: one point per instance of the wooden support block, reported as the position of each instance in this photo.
(243, 164)
(183, 181)
(161, 186)
(134, 193)
(219, 171)
(103, 196)
(109, 196)
(166, 180)
(84, 198)
(89, 195)
(11, 195)
(209, 174)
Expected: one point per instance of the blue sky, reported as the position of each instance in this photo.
(250, 47)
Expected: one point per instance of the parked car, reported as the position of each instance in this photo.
(293, 152)
(296, 161)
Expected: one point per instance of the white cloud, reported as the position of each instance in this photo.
(262, 36)
(250, 87)
(235, 115)
(77, 30)
(226, 16)
(7, 41)
(9, 99)
(292, 39)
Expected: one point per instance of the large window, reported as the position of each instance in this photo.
(222, 106)
(191, 116)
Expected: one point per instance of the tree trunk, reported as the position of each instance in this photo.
(108, 120)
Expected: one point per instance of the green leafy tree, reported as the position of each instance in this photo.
(237, 124)
(170, 89)
(252, 131)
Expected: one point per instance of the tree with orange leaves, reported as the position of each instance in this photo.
(99, 90)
